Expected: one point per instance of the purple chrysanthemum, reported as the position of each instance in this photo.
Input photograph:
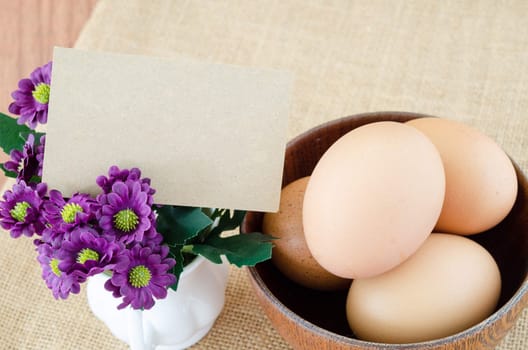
(125, 213)
(87, 252)
(40, 154)
(141, 275)
(52, 236)
(60, 283)
(32, 97)
(20, 209)
(152, 238)
(28, 162)
(64, 215)
(115, 174)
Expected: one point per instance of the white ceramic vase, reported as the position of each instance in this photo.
(176, 322)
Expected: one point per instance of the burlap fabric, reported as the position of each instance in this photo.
(463, 60)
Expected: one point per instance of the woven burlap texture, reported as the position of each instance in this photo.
(462, 60)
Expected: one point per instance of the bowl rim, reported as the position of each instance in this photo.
(523, 289)
(358, 116)
(308, 326)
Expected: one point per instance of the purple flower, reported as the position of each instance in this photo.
(125, 212)
(20, 209)
(28, 162)
(32, 97)
(115, 174)
(64, 215)
(152, 238)
(141, 274)
(53, 236)
(87, 252)
(134, 174)
(40, 154)
(60, 283)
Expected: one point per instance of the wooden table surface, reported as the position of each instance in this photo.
(29, 29)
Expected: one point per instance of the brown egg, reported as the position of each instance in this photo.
(481, 185)
(372, 199)
(450, 284)
(290, 254)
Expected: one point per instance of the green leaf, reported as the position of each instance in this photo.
(175, 253)
(213, 213)
(228, 222)
(180, 224)
(35, 179)
(7, 172)
(14, 136)
(242, 250)
(11, 134)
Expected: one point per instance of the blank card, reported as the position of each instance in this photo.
(207, 135)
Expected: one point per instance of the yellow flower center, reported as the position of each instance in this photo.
(54, 264)
(87, 254)
(139, 276)
(126, 220)
(41, 93)
(19, 211)
(69, 211)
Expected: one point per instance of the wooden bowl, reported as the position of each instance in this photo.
(309, 319)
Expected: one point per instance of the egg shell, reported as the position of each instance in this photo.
(372, 199)
(450, 284)
(481, 184)
(290, 252)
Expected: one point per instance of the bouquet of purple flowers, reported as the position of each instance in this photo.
(142, 246)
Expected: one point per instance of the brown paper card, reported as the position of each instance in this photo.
(207, 135)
